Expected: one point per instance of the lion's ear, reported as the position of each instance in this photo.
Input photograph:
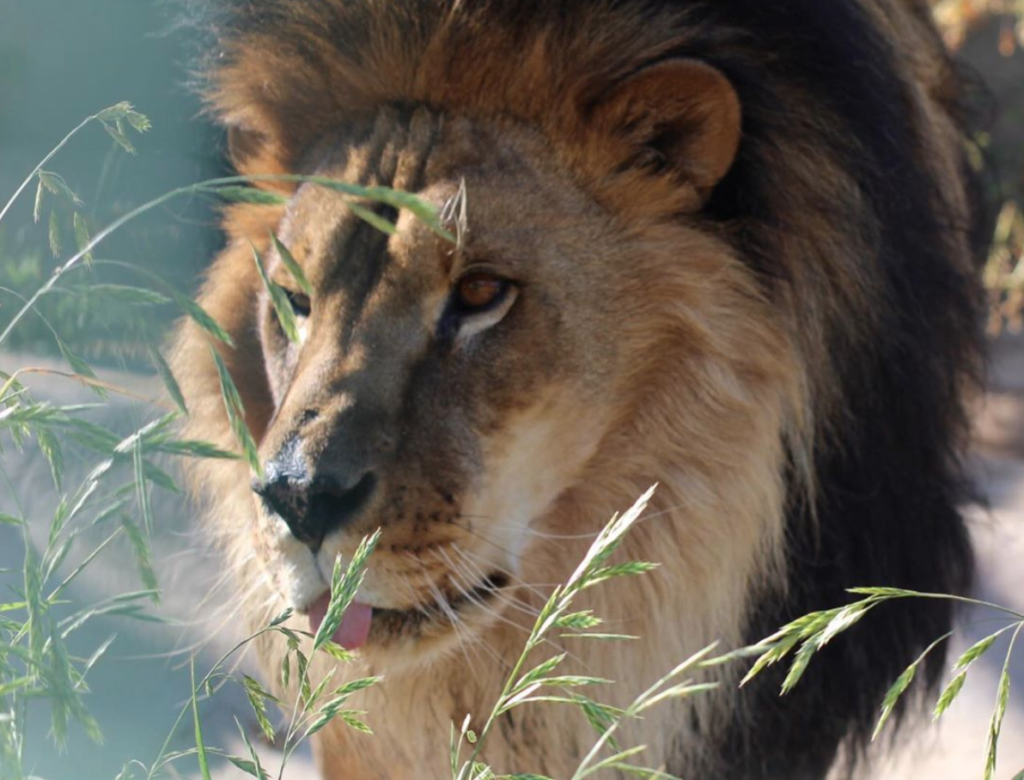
(680, 115)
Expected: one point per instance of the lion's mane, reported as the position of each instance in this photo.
(849, 203)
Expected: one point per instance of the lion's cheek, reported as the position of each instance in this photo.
(531, 459)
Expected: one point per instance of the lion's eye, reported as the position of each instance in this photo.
(477, 291)
(479, 300)
(300, 303)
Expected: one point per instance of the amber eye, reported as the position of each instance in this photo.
(300, 303)
(479, 290)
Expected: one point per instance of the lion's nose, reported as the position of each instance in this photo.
(313, 508)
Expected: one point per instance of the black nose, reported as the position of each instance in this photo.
(313, 509)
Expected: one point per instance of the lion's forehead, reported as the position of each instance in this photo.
(519, 199)
(378, 297)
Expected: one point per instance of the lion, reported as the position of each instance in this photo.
(725, 246)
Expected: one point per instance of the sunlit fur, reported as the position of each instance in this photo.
(783, 350)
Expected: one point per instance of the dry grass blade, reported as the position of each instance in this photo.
(204, 765)
(236, 414)
(278, 299)
(167, 377)
(1002, 699)
(241, 194)
(292, 265)
(343, 589)
(82, 238)
(372, 218)
(198, 315)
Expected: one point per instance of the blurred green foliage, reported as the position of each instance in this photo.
(91, 317)
(989, 35)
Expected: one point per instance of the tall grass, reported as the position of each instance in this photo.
(114, 502)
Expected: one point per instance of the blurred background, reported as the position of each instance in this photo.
(59, 63)
(62, 60)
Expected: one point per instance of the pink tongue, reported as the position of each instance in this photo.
(355, 623)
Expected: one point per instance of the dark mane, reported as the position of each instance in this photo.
(892, 481)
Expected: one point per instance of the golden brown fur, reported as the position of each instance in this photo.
(644, 344)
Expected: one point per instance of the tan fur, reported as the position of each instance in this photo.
(671, 366)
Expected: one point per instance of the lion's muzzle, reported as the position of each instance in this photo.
(311, 506)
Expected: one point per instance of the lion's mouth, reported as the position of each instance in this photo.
(362, 624)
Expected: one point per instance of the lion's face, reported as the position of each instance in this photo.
(446, 394)
(449, 393)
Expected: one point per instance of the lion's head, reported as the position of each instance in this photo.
(658, 275)
(450, 393)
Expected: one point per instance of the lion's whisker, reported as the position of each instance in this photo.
(468, 594)
(465, 643)
(466, 588)
(502, 594)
